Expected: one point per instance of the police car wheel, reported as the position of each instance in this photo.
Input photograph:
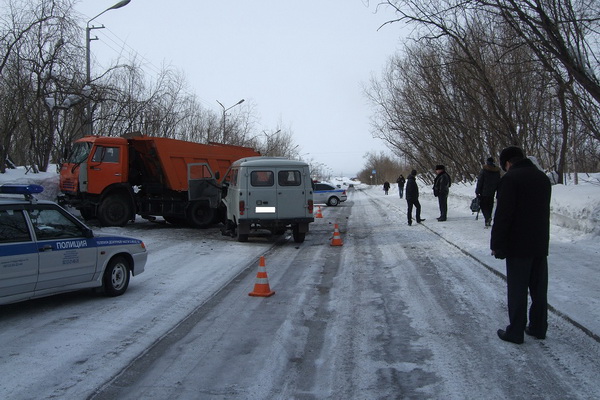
(116, 277)
(333, 201)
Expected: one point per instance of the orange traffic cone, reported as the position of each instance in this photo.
(261, 287)
(319, 214)
(337, 239)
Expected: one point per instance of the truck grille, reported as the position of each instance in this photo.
(68, 185)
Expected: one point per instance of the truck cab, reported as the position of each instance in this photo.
(268, 193)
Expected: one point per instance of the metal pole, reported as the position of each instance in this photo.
(88, 74)
(223, 119)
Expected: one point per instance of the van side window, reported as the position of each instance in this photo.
(13, 227)
(262, 178)
(289, 178)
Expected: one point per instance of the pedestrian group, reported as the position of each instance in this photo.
(520, 232)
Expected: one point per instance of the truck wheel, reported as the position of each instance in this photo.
(298, 236)
(116, 277)
(87, 214)
(333, 201)
(175, 220)
(114, 211)
(200, 215)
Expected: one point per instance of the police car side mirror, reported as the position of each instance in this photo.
(88, 233)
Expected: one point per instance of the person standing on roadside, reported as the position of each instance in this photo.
(441, 189)
(401, 181)
(487, 183)
(521, 235)
(412, 197)
(386, 187)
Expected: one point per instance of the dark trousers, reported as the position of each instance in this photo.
(523, 274)
(443, 202)
(417, 205)
(487, 205)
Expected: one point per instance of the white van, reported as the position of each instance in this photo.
(268, 193)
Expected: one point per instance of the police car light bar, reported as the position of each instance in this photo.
(26, 190)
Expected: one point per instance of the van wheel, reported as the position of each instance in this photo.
(298, 236)
(116, 277)
(114, 211)
(333, 201)
(200, 215)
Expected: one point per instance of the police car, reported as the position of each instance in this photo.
(44, 250)
(326, 193)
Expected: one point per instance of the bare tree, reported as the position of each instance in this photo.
(386, 169)
(514, 89)
(563, 30)
(35, 68)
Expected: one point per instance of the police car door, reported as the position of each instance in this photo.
(18, 255)
(67, 257)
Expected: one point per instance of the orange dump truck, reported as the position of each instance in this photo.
(115, 178)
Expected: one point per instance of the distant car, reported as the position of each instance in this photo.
(45, 250)
(325, 193)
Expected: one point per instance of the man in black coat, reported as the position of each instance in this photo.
(521, 234)
(441, 189)
(487, 183)
(412, 197)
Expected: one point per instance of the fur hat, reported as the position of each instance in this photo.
(510, 153)
(490, 161)
(440, 166)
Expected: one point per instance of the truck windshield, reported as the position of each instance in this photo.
(80, 152)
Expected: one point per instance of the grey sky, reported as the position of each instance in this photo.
(303, 64)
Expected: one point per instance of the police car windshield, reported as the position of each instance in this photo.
(80, 152)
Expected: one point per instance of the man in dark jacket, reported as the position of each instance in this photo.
(441, 189)
(401, 181)
(412, 197)
(487, 183)
(521, 234)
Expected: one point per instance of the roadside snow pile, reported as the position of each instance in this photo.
(49, 180)
(577, 206)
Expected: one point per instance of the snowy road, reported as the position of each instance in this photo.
(397, 312)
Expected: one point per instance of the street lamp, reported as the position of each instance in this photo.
(224, 111)
(88, 75)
